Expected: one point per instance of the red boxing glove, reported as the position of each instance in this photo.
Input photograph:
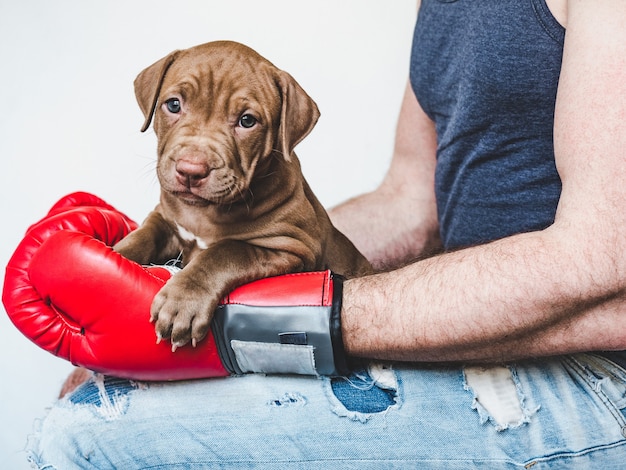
(71, 294)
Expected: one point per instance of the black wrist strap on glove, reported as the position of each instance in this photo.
(284, 339)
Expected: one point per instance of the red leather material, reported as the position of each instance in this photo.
(78, 199)
(71, 294)
(24, 304)
(104, 302)
(313, 289)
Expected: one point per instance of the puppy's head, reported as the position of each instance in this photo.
(220, 111)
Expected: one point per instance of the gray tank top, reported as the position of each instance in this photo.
(486, 72)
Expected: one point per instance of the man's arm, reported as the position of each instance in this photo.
(556, 291)
(397, 222)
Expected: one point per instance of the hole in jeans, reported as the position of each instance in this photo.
(365, 392)
(107, 396)
(497, 396)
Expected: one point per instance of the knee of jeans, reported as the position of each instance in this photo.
(65, 435)
(364, 393)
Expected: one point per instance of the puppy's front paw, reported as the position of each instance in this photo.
(182, 313)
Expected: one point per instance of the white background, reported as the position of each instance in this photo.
(69, 120)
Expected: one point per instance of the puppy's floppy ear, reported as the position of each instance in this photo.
(148, 85)
(298, 115)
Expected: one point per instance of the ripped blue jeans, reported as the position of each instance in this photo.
(565, 412)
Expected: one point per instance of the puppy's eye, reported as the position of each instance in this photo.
(173, 105)
(247, 121)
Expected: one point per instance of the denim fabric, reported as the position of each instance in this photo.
(564, 413)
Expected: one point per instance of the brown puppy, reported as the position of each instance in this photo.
(233, 198)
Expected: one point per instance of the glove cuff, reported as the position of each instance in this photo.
(336, 335)
(284, 338)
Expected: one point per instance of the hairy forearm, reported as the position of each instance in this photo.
(525, 296)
